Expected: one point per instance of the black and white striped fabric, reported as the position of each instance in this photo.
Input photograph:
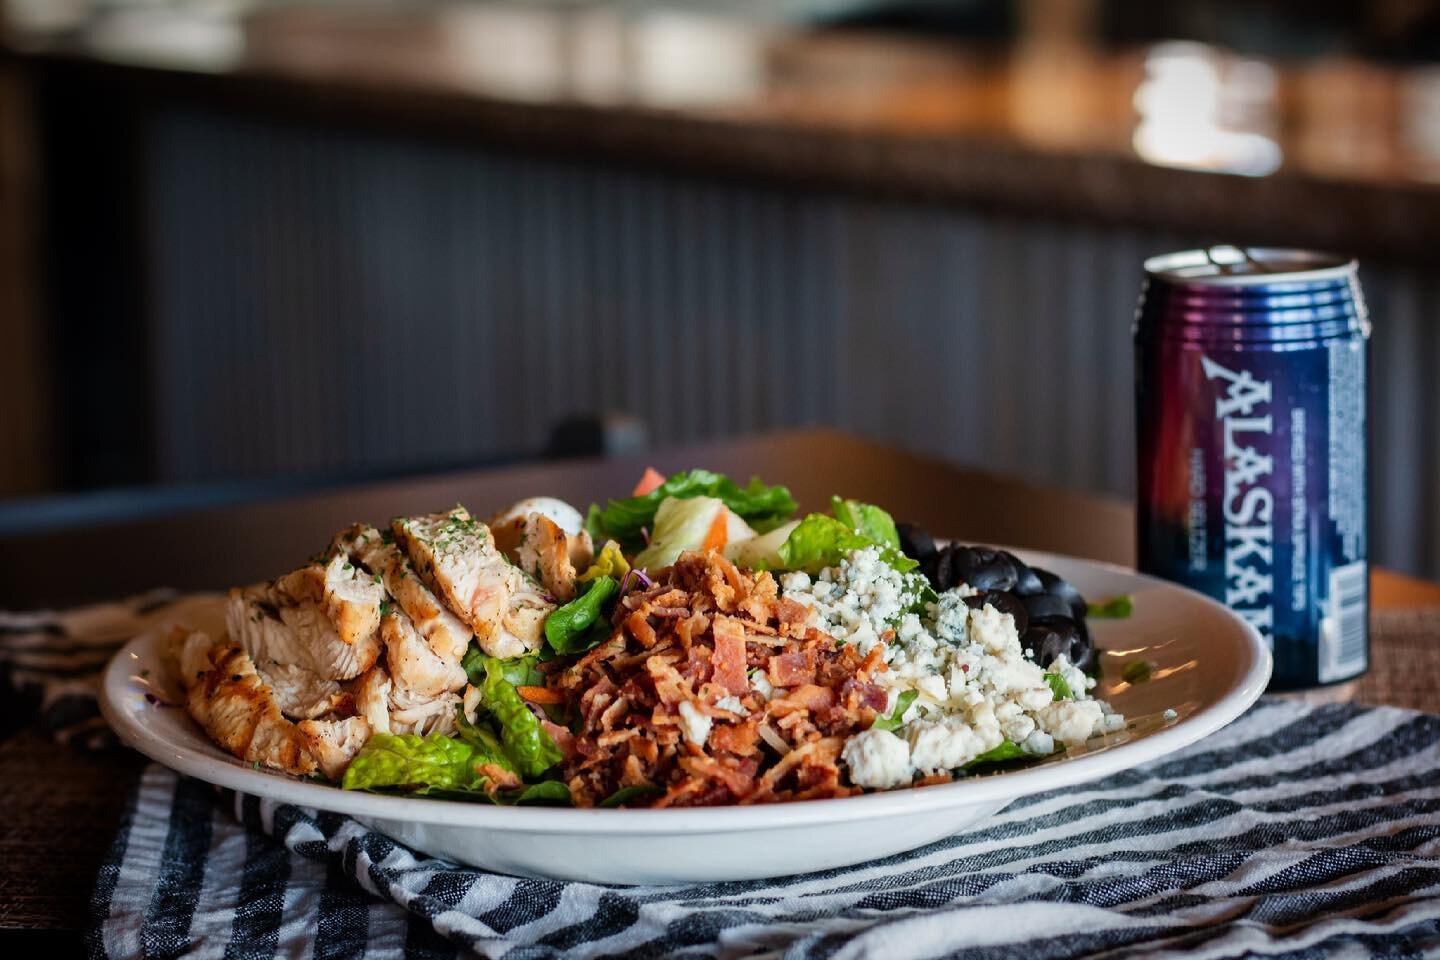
(1298, 831)
(55, 657)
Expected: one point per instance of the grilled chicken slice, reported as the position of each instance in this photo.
(349, 596)
(334, 743)
(417, 672)
(541, 548)
(300, 694)
(442, 630)
(456, 557)
(226, 696)
(372, 698)
(377, 700)
(300, 635)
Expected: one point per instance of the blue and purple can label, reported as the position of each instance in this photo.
(1250, 388)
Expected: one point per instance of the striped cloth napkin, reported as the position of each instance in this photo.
(1297, 831)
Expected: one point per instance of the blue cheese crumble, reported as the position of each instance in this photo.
(976, 688)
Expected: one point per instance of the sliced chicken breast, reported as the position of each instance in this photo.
(334, 743)
(350, 596)
(226, 696)
(389, 710)
(301, 635)
(417, 673)
(446, 634)
(456, 557)
(372, 698)
(539, 547)
(301, 694)
(434, 716)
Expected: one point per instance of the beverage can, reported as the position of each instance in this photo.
(1250, 399)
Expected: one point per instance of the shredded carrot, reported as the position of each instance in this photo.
(719, 533)
(650, 481)
(539, 695)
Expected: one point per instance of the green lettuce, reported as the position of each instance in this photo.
(821, 541)
(520, 671)
(867, 520)
(1059, 687)
(763, 507)
(407, 763)
(546, 792)
(894, 722)
(528, 746)
(628, 795)
(585, 621)
(1008, 750)
(1116, 608)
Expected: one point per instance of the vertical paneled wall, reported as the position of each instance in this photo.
(325, 300)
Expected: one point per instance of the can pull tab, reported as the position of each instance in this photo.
(1230, 260)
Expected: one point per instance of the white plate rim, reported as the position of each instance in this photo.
(230, 773)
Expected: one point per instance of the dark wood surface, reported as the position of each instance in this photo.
(59, 808)
(1049, 124)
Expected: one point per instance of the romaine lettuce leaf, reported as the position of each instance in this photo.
(411, 764)
(585, 621)
(868, 520)
(763, 507)
(822, 541)
(526, 743)
(442, 767)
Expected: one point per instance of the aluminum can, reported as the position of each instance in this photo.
(1250, 400)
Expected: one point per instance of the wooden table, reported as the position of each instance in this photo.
(59, 808)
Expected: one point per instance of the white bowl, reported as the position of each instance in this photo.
(1208, 667)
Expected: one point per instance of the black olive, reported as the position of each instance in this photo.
(1051, 637)
(984, 569)
(942, 571)
(1057, 587)
(915, 541)
(1027, 582)
(1046, 605)
(1005, 603)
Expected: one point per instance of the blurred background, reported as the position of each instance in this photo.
(254, 246)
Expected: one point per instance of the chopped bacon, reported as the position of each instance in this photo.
(638, 623)
(691, 638)
(808, 697)
(741, 739)
(792, 669)
(562, 736)
(497, 777)
(863, 694)
(793, 616)
(728, 659)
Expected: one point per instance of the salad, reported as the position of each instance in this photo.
(695, 643)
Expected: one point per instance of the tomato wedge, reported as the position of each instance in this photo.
(651, 480)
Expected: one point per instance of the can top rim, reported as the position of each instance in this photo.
(1224, 265)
